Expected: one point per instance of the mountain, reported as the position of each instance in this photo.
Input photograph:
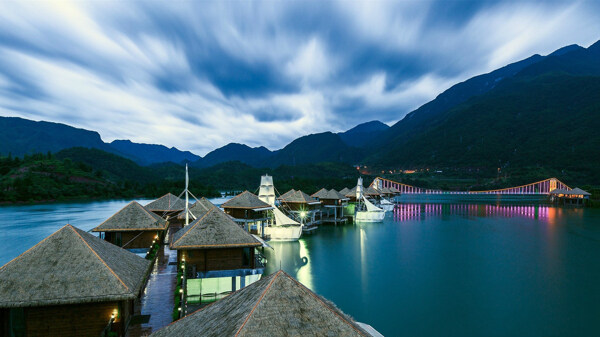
(147, 154)
(253, 156)
(458, 93)
(577, 61)
(21, 136)
(550, 121)
(363, 134)
(315, 148)
(546, 115)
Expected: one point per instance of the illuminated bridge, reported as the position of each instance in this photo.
(543, 187)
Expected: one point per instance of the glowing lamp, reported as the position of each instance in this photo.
(302, 214)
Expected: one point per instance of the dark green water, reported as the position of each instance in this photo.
(428, 270)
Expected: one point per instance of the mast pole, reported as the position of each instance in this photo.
(187, 213)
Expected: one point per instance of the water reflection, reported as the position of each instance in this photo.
(410, 211)
(293, 258)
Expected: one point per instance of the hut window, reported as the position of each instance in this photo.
(246, 257)
(16, 323)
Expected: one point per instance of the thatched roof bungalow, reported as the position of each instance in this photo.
(572, 196)
(246, 208)
(304, 207)
(197, 210)
(133, 227)
(214, 246)
(277, 305)
(70, 284)
(167, 205)
(344, 190)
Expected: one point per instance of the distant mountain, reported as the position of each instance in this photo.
(363, 134)
(568, 60)
(551, 121)
(253, 156)
(430, 112)
(315, 148)
(546, 115)
(20, 136)
(147, 154)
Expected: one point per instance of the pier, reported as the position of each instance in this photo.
(156, 303)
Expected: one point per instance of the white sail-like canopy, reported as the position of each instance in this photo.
(371, 207)
(266, 192)
(281, 219)
(359, 188)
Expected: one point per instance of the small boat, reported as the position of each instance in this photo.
(365, 210)
(281, 228)
(386, 205)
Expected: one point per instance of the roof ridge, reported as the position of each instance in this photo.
(303, 287)
(258, 302)
(110, 217)
(37, 244)
(98, 256)
(194, 225)
(235, 197)
(147, 212)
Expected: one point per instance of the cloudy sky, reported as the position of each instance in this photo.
(198, 75)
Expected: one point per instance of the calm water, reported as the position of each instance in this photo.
(428, 270)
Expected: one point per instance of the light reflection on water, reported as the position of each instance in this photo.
(431, 269)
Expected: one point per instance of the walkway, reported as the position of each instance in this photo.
(157, 299)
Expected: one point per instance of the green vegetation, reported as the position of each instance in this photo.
(71, 175)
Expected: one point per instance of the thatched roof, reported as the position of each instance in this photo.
(321, 194)
(332, 194)
(394, 190)
(198, 209)
(351, 193)
(133, 217)
(213, 230)
(276, 305)
(370, 191)
(338, 194)
(344, 191)
(245, 200)
(578, 191)
(71, 266)
(575, 191)
(167, 203)
(298, 197)
(287, 194)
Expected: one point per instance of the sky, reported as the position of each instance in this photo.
(199, 75)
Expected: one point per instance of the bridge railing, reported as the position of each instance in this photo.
(539, 187)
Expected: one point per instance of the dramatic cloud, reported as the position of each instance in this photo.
(198, 75)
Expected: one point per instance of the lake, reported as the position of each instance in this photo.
(452, 269)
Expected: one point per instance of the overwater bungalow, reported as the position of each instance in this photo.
(277, 305)
(575, 196)
(304, 208)
(219, 256)
(167, 206)
(70, 284)
(197, 210)
(370, 192)
(333, 204)
(248, 210)
(344, 190)
(351, 194)
(133, 227)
